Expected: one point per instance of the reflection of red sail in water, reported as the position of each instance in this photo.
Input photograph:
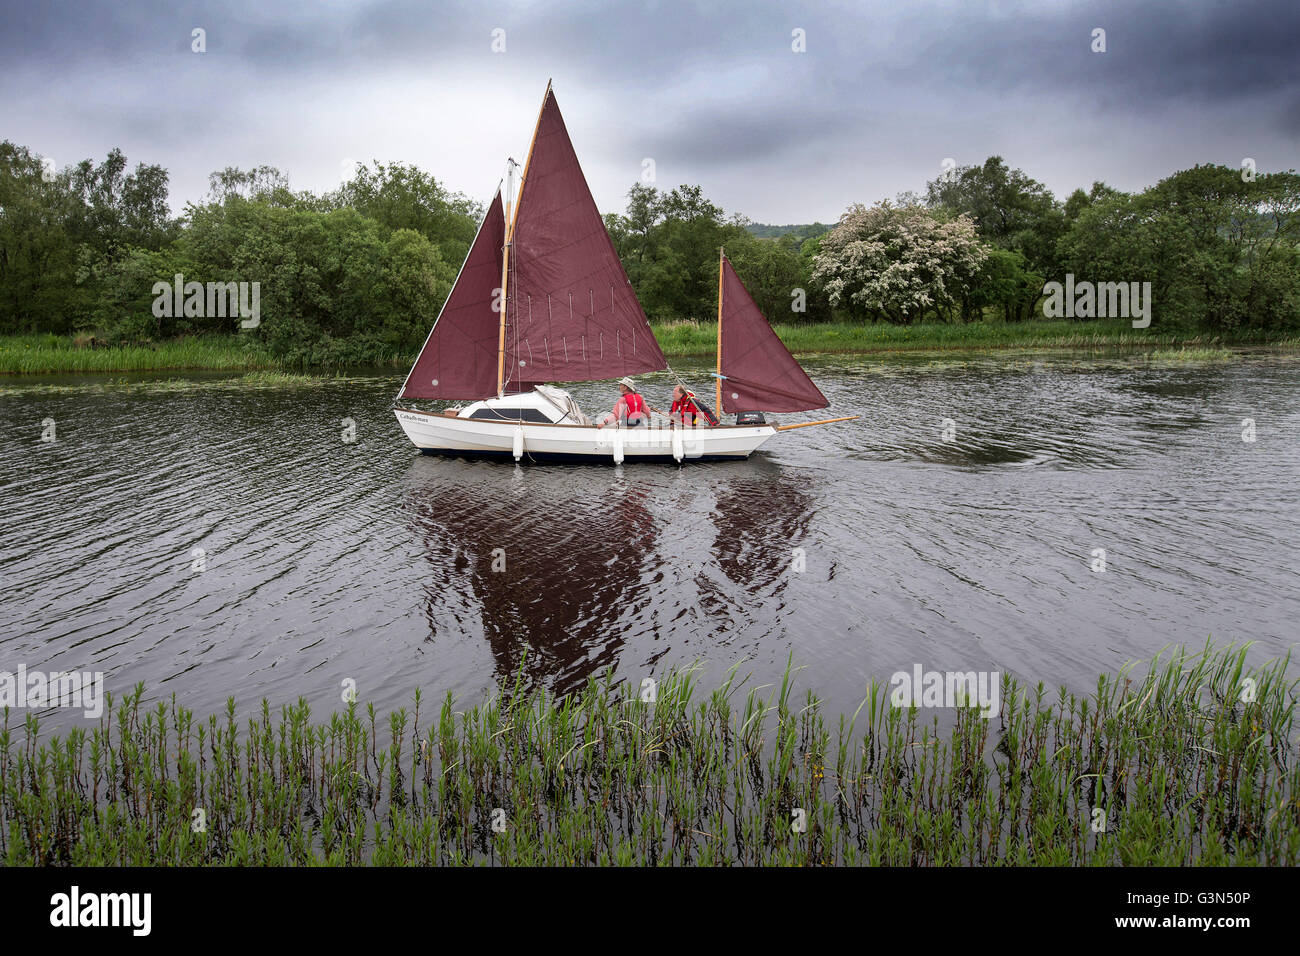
(570, 593)
(758, 371)
(760, 520)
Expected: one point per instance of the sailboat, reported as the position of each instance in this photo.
(542, 297)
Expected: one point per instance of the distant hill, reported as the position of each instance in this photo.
(764, 231)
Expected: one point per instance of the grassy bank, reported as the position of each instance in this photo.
(1191, 763)
(51, 354)
(691, 338)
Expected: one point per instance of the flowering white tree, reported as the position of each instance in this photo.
(898, 261)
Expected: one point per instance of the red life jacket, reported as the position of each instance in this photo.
(686, 407)
(635, 404)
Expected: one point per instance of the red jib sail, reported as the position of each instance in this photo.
(459, 358)
(572, 315)
(759, 373)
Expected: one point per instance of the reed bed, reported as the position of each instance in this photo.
(683, 338)
(1173, 356)
(53, 354)
(1182, 767)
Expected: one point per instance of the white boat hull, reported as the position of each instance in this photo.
(471, 437)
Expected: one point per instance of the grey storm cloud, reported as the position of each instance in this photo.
(1156, 53)
(712, 92)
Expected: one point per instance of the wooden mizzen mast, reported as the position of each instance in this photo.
(717, 394)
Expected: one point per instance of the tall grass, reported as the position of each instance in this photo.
(51, 354)
(1182, 768)
(1191, 355)
(681, 338)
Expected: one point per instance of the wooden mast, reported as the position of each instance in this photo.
(511, 216)
(505, 277)
(717, 395)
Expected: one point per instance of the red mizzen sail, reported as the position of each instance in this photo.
(459, 358)
(571, 313)
(759, 372)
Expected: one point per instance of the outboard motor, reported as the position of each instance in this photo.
(750, 418)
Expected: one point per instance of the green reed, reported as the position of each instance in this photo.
(49, 354)
(1191, 355)
(684, 337)
(1192, 763)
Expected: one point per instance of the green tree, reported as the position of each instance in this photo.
(115, 210)
(778, 277)
(336, 287)
(38, 256)
(1011, 211)
(669, 244)
(1219, 251)
(1005, 282)
(400, 196)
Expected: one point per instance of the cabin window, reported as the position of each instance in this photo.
(512, 415)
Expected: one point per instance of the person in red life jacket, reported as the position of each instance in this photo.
(684, 410)
(629, 409)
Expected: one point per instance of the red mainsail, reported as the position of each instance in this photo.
(459, 358)
(572, 315)
(759, 373)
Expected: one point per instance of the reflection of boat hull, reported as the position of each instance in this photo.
(468, 437)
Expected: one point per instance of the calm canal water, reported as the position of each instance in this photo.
(326, 561)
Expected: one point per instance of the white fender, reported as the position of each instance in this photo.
(519, 443)
(678, 450)
(618, 446)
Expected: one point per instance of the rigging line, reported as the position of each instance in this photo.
(691, 392)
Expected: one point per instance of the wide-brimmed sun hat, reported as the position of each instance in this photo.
(627, 383)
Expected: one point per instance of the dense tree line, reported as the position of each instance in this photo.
(669, 243)
(764, 230)
(351, 276)
(358, 273)
(1220, 247)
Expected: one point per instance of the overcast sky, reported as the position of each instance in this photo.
(713, 93)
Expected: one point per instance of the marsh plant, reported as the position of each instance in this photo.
(1193, 763)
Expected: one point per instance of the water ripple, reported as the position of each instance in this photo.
(956, 524)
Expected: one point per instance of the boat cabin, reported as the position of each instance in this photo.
(544, 405)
